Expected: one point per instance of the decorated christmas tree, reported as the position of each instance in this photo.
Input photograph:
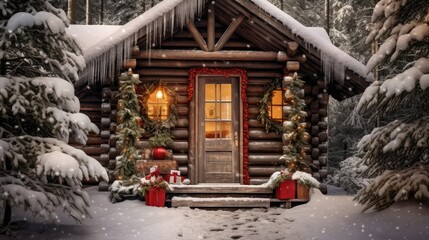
(130, 128)
(397, 152)
(295, 138)
(39, 171)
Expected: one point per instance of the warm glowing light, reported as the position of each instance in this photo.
(159, 94)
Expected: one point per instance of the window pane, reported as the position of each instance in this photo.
(226, 111)
(277, 97)
(210, 129)
(210, 111)
(226, 92)
(226, 130)
(210, 92)
(277, 112)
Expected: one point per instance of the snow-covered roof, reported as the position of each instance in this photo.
(160, 20)
(88, 36)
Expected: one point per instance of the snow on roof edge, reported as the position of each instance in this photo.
(104, 59)
(334, 61)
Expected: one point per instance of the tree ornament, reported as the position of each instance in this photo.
(287, 81)
(288, 125)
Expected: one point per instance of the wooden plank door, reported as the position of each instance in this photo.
(218, 130)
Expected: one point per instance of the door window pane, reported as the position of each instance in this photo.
(225, 111)
(226, 130)
(226, 92)
(211, 129)
(210, 92)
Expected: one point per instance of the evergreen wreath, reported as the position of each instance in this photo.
(263, 117)
(156, 126)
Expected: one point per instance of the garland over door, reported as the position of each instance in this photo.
(218, 130)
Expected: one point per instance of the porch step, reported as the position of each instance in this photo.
(221, 189)
(220, 202)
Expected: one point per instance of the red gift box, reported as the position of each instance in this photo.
(174, 177)
(286, 189)
(154, 173)
(155, 197)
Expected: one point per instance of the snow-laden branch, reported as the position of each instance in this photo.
(403, 144)
(394, 186)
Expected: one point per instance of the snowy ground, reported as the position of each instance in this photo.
(333, 216)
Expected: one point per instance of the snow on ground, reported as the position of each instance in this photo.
(332, 216)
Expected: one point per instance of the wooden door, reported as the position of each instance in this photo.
(218, 130)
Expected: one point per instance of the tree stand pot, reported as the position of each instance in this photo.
(155, 197)
(159, 153)
(302, 191)
(286, 190)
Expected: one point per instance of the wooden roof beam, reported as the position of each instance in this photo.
(211, 28)
(197, 36)
(228, 33)
(219, 55)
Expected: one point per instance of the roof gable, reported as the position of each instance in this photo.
(170, 15)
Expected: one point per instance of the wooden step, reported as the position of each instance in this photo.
(222, 189)
(220, 202)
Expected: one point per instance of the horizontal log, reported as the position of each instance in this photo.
(104, 160)
(322, 125)
(176, 146)
(219, 55)
(255, 89)
(265, 171)
(105, 135)
(112, 140)
(292, 66)
(323, 111)
(253, 100)
(185, 72)
(253, 123)
(94, 150)
(182, 122)
(315, 153)
(315, 141)
(292, 48)
(182, 111)
(314, 106)
(216, 64)
(105, 122)
(106, 93)
(315, 130)
(258, 180)
(265, 146)
(253, 110)
(113, 127)
(314, 118)
(316, 163)
(323, 161)
(113, 115)
(182, 99)
(323, 148)
(324, 99)
(111, 165)
(182, 159)
(106, 108)
(259, 134)
(323, 136)
(265, 159)
(113, 153)
(183, 170)
(321, 84)
(114, 98)
(94, 140)
(181, 133)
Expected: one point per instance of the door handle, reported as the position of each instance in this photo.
(236, 139)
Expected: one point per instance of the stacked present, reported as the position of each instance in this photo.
(153, 186)
(174, 177)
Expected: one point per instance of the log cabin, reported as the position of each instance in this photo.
(218, 56)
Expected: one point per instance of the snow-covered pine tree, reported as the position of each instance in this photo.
(39, 113)
(398, 152)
